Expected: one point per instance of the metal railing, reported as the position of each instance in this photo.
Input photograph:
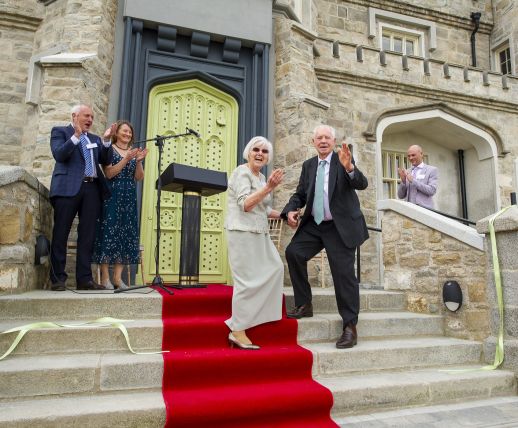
(358, 263)
(466, 221)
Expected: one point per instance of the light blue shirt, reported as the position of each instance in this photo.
(327, 211)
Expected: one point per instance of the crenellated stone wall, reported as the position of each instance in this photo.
(348, 21)
(25, 213)
(418, 260)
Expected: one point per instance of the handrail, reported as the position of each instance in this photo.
(466, 221)
(358, 264)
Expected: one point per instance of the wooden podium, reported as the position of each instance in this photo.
(193, 183)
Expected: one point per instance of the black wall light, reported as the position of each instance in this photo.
(41, 250)
(452, 295)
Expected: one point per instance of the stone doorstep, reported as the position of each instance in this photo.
(361, 393)
(370, 325)
(144, 335)
(44, 305)
(40, 376)
(392, 353)
(130, 409)
(324, 300)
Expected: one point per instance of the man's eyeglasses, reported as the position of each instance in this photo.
(257, 150)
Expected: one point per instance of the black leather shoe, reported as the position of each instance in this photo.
(90, 285)
(302, 311)
(349, 337)
(58, 286)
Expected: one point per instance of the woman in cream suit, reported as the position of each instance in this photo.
(256, 266)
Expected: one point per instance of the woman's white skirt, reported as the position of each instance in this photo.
(258, 274)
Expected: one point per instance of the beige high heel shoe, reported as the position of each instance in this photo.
(234, 342)
(121, 285)
(108, 285)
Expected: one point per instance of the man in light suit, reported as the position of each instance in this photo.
(419, 183)
(77, 187)
(332, 220)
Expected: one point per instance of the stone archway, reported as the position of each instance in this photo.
(443, 132)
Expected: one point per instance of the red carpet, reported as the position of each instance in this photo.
(207, 384)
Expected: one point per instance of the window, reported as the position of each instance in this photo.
(401, 33)
(399, 41)
(503, 60)
(391, 162)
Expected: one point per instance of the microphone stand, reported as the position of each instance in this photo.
(157, 280)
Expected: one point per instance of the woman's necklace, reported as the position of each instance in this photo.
(120, 148)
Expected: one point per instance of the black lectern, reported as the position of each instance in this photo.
(193, 183)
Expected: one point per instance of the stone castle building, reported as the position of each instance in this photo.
(385, 74)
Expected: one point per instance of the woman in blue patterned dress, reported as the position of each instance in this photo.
(117, 240)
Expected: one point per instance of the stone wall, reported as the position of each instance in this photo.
(419, 260)
(506, 27)
(25, 213)
(347, 21)
(19, 20)
(65, 27)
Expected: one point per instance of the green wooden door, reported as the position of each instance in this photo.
(214, 114)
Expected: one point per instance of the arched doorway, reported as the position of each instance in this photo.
(214, 114)
(445, 135)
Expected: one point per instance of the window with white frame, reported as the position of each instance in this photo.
(503, 59)
(401, 40)
(401, 33)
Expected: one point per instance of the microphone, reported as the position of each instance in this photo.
(193, 132)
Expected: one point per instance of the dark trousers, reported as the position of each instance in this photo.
(308, 242)
(87, 205)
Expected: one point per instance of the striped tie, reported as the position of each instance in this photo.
(89, 168)
(318, 203)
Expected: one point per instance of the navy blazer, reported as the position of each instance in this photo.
(68, 173)
(343, 200)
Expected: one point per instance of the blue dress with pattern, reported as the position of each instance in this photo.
(117, 239)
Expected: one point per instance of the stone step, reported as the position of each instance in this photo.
(388, 354)
(46, 375)
(361, 393)
(44, 305)
(323, 327)
(491, 412)
(144, 335)
(126, 410)
(324, 300)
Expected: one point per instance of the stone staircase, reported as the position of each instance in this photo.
(398, 360)
(79, 377)
(85, 376)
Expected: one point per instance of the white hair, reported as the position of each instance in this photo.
(77, 108)
(330, 128)
(258, 142)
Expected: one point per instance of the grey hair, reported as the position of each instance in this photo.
(333, 132)
(258, 142)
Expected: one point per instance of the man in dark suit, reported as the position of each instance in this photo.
(332, 220)
(77, 187)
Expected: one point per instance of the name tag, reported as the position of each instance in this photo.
(91, 146)
(420, 176)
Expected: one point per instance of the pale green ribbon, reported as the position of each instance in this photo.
(499, 351)
(100, 322)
